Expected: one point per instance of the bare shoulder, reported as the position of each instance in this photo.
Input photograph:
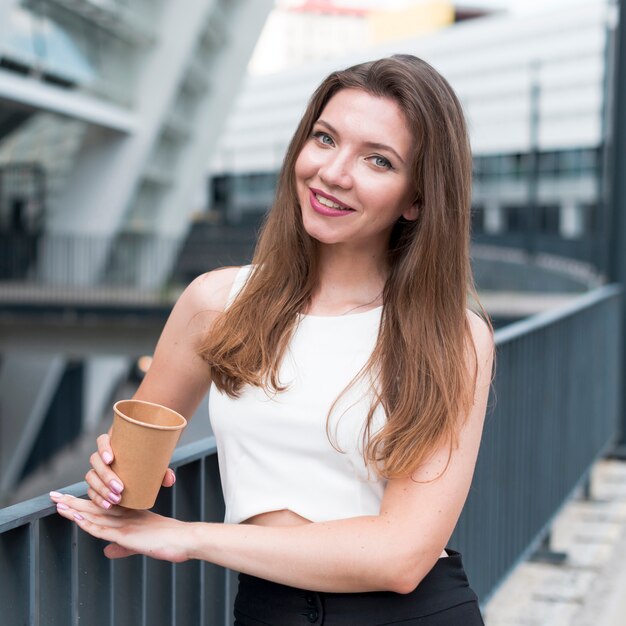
(179, 376)
(201, 302)
(482, 336)
(208, 293)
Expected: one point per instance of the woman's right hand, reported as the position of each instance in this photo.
(105, 487)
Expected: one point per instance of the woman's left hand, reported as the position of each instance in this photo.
(128, 530)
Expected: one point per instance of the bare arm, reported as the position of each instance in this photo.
(178, 378)
(390, 551)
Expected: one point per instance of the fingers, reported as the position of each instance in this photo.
(170, 478)
(115, 551)
(83, 519)
(104, 448)
(103, 482)
(105, 485)
(129, 531)
(66, 503)
(95, 497)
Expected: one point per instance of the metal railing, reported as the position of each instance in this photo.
(53, 574)
(555, 412)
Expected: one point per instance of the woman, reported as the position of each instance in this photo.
(348, 379)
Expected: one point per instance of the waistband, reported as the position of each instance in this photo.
(445, 586)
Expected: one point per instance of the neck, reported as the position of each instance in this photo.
(348, 279)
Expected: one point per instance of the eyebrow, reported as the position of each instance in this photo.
(369, 144)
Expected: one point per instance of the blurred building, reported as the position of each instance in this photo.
(298, 32)
(534, 90)
(108, 112)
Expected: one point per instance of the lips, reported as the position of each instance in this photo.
(328, 205)
(329, 201)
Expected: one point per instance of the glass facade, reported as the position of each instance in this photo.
(518, 166)
(37, 149)
(88, 45)
(565, 184)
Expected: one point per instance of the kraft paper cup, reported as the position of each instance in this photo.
(143, 439)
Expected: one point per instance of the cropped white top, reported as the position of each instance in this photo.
(273, 451)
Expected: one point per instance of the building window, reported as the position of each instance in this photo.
(590, 217)
(549, 163)
(478, 219)
(514, 218)
(549, 218)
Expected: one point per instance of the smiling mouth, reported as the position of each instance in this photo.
(330, 204)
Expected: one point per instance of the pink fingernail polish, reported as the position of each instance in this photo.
(62, 506)
(78, 516)
(56, 494)
(106, 505)
(116, 486)
(114, 498)
(106, 457)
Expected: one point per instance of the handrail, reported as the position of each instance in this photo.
(31, 510)
(540, 320)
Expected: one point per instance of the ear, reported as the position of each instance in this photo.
(411, 213)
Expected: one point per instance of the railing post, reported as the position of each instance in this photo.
(617, 191)
(545, 554)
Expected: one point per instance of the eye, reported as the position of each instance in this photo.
(382, 162)
(323, 138)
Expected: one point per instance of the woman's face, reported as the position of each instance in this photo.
(352, 174)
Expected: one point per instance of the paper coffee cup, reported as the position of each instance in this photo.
(143, 438)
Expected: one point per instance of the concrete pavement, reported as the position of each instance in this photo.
(589, 588)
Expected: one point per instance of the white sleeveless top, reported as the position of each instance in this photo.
(273, 451)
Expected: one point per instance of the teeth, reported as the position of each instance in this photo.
(329, 203)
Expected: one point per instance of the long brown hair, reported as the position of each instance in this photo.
(420, 361)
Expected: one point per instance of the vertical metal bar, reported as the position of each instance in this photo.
(187, 575)
(144, 591)
(74, 576)
(112, 595)
(94, 579)
(230, 591)
(617, 190)
(159, 577)
(14, 575)
(33, 587)
(126, 590)
(203, 564)
(173, 587)
(216, 590)
(55, 565)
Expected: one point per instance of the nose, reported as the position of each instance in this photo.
(335, 171)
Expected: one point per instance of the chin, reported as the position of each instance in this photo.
(324, 238)
(321, 235)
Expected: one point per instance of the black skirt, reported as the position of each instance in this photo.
(443, 598)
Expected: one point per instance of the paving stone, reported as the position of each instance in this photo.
(565, 585)
(588, 555)
(538, 613)
(589, 588)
